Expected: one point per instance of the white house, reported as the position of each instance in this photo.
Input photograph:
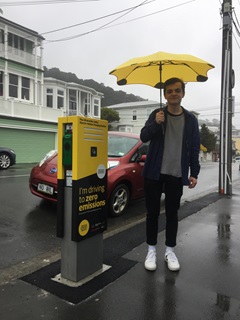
(133, 115)
(72, 98)
(30, 104)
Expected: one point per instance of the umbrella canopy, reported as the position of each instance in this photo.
(155, 69)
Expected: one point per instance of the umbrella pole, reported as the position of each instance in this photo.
(160, 98)
(160, 70)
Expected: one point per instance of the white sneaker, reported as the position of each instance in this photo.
(151, 260)
(172, 261)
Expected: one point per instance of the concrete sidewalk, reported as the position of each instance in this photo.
(207, 287)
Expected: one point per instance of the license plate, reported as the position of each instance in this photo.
(45, 188)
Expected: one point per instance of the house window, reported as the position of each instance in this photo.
(15, 41)
(96, 107)
(10, 39)
(49, 98)
(39, 93)
(25, 88)
(148, 113)
(60, 99)
(1, 83)
(21, 43)
(13, 85)
(87, 107)
(72, 100)
(29, 46)
(1, 36)
(19, 87)
(134, 115)
(18, 42)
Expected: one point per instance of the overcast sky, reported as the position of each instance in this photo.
(176, 26)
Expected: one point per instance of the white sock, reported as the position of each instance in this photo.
(151, 248)
(168, 250)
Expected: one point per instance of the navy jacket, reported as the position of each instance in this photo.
(154, 133)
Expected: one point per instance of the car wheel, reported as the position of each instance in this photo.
(119, 200)
(5, 161)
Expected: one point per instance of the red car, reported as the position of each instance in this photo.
(126, 156)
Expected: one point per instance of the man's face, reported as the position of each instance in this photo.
(174, 93)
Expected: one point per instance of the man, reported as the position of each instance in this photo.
(174, 149)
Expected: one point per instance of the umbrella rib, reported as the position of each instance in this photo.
(185, 64)
(169, 62)
(178, 64)
(137, 67)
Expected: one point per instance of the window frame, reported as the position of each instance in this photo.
(134, 115)
(25, 88)
(13, 87)
(49, 97)
(60, 98)
(96, 107)
(72, 103)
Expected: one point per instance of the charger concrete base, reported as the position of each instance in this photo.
(78, 259)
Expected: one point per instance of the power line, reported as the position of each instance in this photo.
(236, 17)
(124, 14)
(93, 20)
(105, 26)
(236, 40)
(40, 2)
(128, 10)
(235, 25)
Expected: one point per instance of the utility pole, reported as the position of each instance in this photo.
(225, 161)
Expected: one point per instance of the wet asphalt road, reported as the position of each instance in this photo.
(28, 223)
(207, 287)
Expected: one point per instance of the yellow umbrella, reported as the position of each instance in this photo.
(155, 69)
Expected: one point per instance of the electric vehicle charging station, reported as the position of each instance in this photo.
(82, 194)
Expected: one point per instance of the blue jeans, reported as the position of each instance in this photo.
(173, 189)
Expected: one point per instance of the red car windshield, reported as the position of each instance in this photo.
(119, 146)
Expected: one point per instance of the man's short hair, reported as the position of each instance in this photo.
(172, 81)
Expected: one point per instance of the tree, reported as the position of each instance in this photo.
(207, 138)
(110, 115)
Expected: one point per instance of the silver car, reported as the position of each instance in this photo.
(7, 158)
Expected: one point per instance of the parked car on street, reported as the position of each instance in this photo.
(7, 158)
(126, 156)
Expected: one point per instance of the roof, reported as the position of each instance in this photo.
(48, 80)
(20, 27)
